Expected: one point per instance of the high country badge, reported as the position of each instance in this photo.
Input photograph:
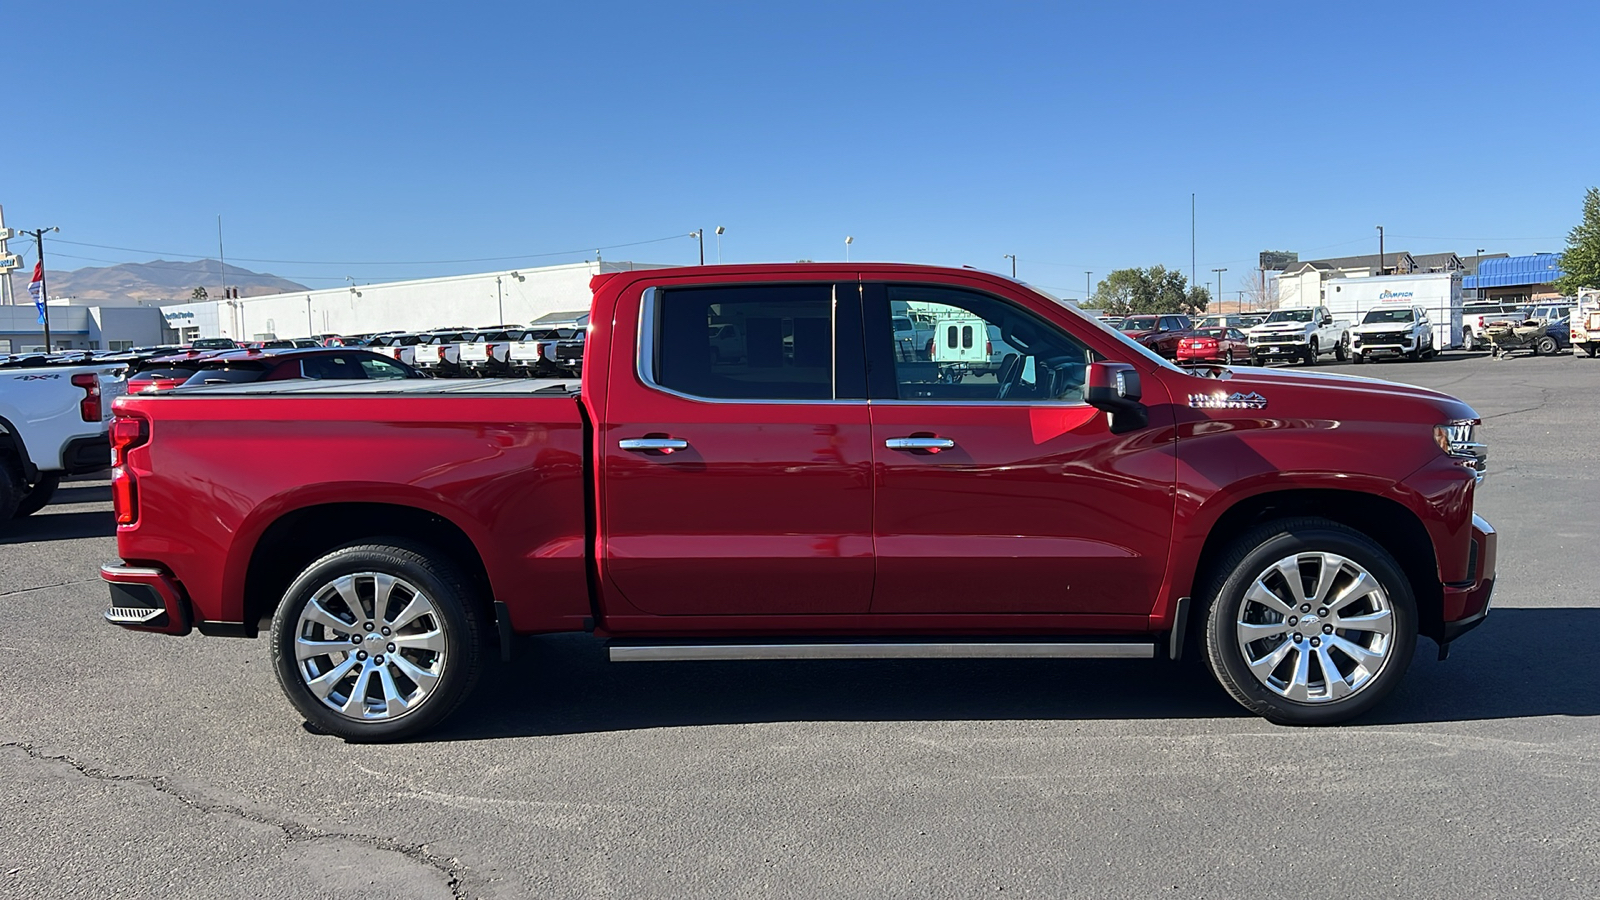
(1220, 400)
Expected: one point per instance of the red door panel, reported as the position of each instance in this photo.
(1033, 510)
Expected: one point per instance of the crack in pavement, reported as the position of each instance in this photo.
(46, 587)
(293, 832)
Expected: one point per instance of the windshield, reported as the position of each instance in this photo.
(1387, 315)
(1290, 315)
(214, 344)
(1140, 323)
(1134, 346)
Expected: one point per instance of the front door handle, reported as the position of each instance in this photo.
(930, 444)
(663, 445)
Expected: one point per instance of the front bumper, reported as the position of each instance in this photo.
(1467, 604)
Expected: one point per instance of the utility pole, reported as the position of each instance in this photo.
(1013, 258)
(698, 234)
(222, 262)
(1219, 284)
(44, 294)
(1086, 289)
(1192, 278)
(1380, 250)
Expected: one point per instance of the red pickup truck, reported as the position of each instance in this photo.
(812, 495)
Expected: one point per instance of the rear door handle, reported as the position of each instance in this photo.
(665, 445)
(919, 443)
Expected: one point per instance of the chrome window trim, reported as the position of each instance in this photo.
(644, 359)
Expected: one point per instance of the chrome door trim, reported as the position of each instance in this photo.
(919, 443)
(653, 444)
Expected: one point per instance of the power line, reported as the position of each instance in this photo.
(391, 262)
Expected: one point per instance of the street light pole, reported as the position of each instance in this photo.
(1086, 289)
(499, 302)
(848, 240)
(1219, 284)
(1013, 258)
(720, 230)
(1380, 250)
(698, 235)
(1477, 274)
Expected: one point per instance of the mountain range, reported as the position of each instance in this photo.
(160, 279)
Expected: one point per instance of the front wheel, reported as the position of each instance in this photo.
(1358, 358)
(1545, 346)
(38, 495)
(1312, 623)
(377, 641)
(1227, 358)
(1311, 352)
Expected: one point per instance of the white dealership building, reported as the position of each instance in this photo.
(455, 301)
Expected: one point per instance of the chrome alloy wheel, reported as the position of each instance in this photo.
(1316, 627)
(370, 646)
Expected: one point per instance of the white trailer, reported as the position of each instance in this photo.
(1439, 293)
(1584, 322)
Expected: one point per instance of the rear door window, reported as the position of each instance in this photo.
(749, 342)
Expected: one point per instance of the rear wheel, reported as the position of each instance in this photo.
(1342, 351)
(12, 488)
(1545, 346)
(377, 641)
(38, 495)
(1312, 623)
(1227, 358)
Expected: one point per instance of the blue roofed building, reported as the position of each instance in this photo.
(1516, 279)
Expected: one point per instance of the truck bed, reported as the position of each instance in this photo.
(487, 387)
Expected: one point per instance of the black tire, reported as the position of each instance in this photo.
(12, 488)
(1467, 342)
(1545, 346)
(1310, 358)
(1342, 351)
(1255, 359)
(1253, 556)
(1590, 349)
(1358, 358)
(1227, 358)
(456, 614)
(38, 495)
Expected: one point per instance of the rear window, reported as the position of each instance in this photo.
(233, 373)
(781, 349)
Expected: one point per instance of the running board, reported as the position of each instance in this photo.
(642, 652)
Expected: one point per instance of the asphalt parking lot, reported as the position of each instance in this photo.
(139, 765)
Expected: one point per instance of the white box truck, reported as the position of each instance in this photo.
(1438, 293)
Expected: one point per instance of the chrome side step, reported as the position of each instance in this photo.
(669, 652)
(133, 615)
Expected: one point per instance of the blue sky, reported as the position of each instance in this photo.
(373, 139)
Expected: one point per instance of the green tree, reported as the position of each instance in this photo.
(1157, 289)
(198, 293)
(1581, 261)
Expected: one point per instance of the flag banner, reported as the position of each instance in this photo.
(36, 289)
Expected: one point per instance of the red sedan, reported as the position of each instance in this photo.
(1213, 345)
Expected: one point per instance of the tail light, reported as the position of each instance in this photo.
(988, 348)
(127, 432)
(89, 406)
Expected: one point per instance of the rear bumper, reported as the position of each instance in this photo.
(86, 454)
(1467, 604)
(145, 599)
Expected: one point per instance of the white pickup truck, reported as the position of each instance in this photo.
(1402, 331)
(1304, 333)
(53, 422)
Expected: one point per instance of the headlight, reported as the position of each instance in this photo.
(1459, 439)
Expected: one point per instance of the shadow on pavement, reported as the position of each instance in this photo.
(1518, 663)
(86, 494)
(47, 526)
(1521, 662)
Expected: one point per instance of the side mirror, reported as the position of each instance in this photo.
(1327, 320)
(1114, 388)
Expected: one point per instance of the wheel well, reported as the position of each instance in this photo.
(299, 538)
(1385, 521)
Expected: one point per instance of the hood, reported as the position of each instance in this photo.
(1282, 326)
(1296, 394)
